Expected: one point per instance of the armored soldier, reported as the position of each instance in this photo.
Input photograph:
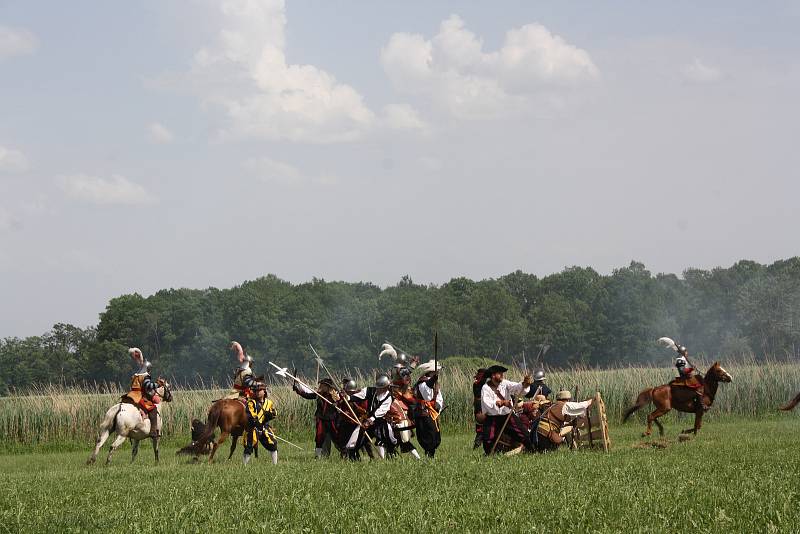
(143, 390)
(325, 415)
(243, 379)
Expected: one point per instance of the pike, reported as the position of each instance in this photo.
(284, 373)
(343, 393)
(272, 433)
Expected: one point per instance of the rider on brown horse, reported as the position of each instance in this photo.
(687, 373)
(143, 390)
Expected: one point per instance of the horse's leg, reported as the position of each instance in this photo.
(653, 417)
(698, 422)
(120, 439)
(222, 437)
(155, 447)
(101, 439)
(134, 449)
(234, 441)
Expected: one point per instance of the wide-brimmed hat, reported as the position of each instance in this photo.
(326, 381)
(496, 369)
(563, 395)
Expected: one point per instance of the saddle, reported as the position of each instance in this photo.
(693, 382)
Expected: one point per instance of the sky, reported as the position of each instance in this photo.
(197, 143)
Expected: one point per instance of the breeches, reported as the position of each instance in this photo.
(514, 430)
(428, 435)
(264, 438)
(325, 431)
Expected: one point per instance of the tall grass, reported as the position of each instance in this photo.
(57, 415)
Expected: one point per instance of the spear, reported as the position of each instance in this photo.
(344, 393)
(283, 372)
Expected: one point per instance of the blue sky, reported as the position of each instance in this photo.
(154, 144)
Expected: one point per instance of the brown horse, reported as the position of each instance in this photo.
(791, 404)
(681, 398)
(231, 418)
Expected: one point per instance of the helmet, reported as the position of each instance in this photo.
(563, 395)
(148, 366)
(382, 381)
(350, 385)
(538, 375)
(401, 357)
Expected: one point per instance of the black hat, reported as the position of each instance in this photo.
(496, 369)
(326, 381)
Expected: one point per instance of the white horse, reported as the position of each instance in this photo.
(126, 420)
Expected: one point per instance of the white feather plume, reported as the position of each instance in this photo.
(430, 366)
(136, 354)
(387, 349)
(668, 342)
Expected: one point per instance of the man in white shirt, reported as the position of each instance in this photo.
(498, 406)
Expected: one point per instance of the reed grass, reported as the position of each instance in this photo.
(55, 415)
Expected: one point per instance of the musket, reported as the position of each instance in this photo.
(282, 372)
(343, 394)
(512, 412)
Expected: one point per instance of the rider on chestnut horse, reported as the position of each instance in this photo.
(143, 390)
(688, 376)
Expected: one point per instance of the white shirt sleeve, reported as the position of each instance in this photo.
(487, 400)
(360, 394)
(425, 391)
(576, 409)
(385, 403)
(516, 388)
(439, 401)
(304, 389)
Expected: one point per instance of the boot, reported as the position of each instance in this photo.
(382, 452)
(247, 459)
(318, 453)
(153, 416)
(274, 456)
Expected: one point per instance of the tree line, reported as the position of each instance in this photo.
(585, 318)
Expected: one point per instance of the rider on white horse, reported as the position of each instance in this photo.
(143, 390)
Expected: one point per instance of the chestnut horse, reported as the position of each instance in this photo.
(681, 398)
(231, 418)
(791, 404)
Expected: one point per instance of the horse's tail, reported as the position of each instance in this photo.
(791, 404)
(642, 400)
(197, 447)
(114, 419)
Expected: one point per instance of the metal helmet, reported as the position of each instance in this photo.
(563, 395)
(148, 366)
(382, 381)
(538, 375)
(350, 386)
(402, 357)
(245, 364)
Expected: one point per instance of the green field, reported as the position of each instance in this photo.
(738, 475)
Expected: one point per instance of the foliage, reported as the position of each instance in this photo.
(586, 318)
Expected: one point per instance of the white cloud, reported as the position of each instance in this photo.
(453, 70)
(12, 160)
(699, 72)
(247, 75)
(160, 133)
(116, 190)
(403, 117)
(270, 170)
(16, 42)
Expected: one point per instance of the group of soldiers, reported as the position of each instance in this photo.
(378, 420)
(521, 414)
